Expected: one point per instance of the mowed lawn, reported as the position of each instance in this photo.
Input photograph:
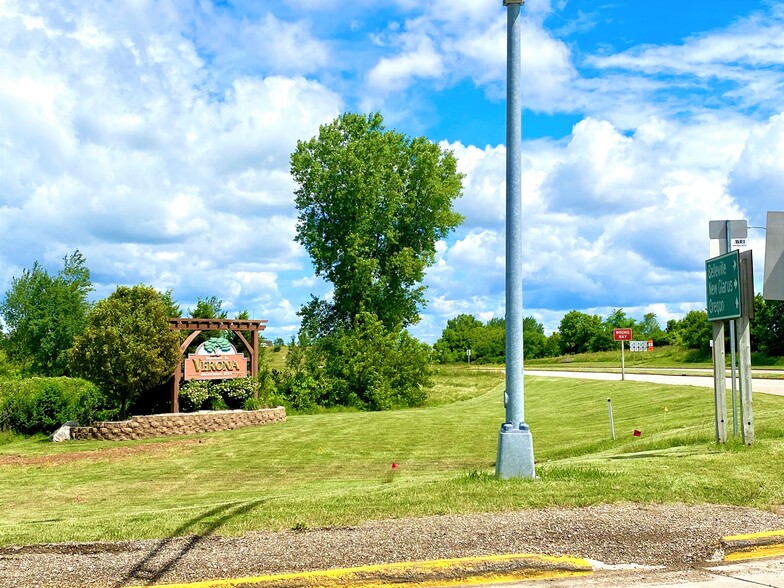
(335, 469)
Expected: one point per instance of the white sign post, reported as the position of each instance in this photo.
(622, 335)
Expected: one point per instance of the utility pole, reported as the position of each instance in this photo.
(515, 444)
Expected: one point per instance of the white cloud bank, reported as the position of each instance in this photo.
(113, 141)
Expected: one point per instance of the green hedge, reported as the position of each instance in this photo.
(41, 405)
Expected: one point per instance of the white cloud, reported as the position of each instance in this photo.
(610, 218)
(478, 251)
(484, 185)
(268, 43)
(748, 54)
(305, 282)
(754, 41)
(452, 42)
(396, 73)
(607, 172)
(758, 176)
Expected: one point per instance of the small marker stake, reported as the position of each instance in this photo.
(612, 424)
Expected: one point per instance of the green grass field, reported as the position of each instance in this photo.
(669, 356)
(335, 469)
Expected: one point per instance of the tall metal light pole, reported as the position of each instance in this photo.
(515, 444)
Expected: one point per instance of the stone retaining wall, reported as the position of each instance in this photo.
(183, 423)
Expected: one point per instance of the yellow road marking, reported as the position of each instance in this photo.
(768, 546)
(756, 552)
(749, 536)
(445, 572)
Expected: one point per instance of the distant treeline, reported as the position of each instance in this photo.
(579, 332)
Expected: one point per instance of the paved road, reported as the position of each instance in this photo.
(757, 385)
(767, 572)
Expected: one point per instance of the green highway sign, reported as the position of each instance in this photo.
(723, 286)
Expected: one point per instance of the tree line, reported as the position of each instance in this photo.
(579, 332)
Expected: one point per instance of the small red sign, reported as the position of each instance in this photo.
(622, 334)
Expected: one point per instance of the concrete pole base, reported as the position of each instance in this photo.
(515, 453)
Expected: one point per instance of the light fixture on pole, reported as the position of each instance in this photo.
(515, 444)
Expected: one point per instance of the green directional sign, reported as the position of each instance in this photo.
(723, 286)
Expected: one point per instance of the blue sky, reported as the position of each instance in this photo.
(155, 137)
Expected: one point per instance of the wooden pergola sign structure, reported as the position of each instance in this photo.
(197, 325)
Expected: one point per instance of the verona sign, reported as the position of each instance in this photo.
(216, 359)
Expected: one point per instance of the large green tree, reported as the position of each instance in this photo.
(173, 309)
(581, 333)
(372, 203)
(128, 346)
(208, 308)
(534, 339)
(767, 327)
(43, 314)
(459, 335)
(487, 342)
(695, 331)
(490, 341)
(618, 319)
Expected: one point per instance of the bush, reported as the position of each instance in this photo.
(128, 347)
(368, 368)
(7, 368)
(237, 393)
(41, 405)
(194, 395)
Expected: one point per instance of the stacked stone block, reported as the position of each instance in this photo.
(184, 423)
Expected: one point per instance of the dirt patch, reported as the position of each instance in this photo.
(108, 454)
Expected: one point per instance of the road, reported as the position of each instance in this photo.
(765, 386)
(764, 572)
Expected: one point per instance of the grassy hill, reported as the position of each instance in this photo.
(335, 469)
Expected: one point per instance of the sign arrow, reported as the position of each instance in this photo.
(723, 287)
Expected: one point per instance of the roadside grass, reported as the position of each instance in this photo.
(453, 383)
(669, 356)
(335, 469)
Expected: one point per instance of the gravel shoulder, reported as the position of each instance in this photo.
(671, 535)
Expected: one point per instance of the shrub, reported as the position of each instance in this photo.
(372, 368)
(367, 367)
(8, 368)
(194, 395)
(253, 404)
(128, 346)
(41, 405)
(237, 393)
